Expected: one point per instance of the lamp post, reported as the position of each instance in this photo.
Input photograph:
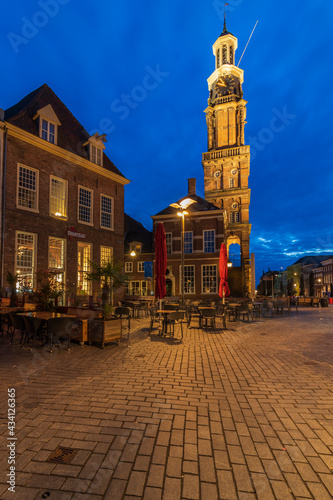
(182, 206)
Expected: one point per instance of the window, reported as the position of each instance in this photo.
(136, 247)
(135, 288)
(56, 253)
(188, 242)
(224, 54)
(140, 267)
(168, 241)
(85, 205)
(106, 212)
(58, 197)
(209, 241)
(48, 131)
(231, 54)
(218, 60)
(25, 259)
(234, 217)
(128, 267)
(188, 279)
(27, 188)
(144, 288)
(209, 279)
(231, 182)
(84, 253)
(96, 155)
(106, 255)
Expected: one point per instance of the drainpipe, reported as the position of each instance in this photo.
(2, 250)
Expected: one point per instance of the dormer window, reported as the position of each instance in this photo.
(136, 247)
(96, 155)
(48, 124)
(48, 131)
(96, 146)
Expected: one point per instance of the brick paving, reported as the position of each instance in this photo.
(245, 413)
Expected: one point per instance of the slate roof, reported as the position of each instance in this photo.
(313, 259)
(71, 134)
(200, 205)
(135, 231)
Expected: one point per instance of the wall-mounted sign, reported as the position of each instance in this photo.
(73, 233)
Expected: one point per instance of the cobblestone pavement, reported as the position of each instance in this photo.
(245, 413)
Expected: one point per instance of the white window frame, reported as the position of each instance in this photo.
(60, 270)
(202, 279)
(48, 133)
(34, 257)
(128, 267)
(96, 155)
(168, 243)
(36, 208)
(204, 233)
(111, 228)
(180, 278)
(140, 266)
(191, 233)
(65, 182)
(91, 206)
(88, 291)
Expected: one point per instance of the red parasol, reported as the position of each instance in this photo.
(160, 262)
(223, 267)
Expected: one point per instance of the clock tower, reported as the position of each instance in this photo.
(227, 162)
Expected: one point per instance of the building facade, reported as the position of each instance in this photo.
(203, 235)
(62, 199)
(226, 164)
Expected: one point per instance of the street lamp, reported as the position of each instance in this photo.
(182, 206)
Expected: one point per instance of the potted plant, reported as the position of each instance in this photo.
(48, 291)
(110, 276)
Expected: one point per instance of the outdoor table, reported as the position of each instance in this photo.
(233, 309)
(165, 313)
(45, 316)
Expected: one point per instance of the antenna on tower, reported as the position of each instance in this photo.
(247, 44)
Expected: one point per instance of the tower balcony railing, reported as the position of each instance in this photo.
(225, 153)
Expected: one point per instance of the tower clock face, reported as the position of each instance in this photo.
(225, 85)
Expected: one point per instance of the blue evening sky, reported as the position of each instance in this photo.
(138, 72)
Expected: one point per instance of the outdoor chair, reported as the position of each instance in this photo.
(245, 311)
(267, 309)
(124, 313)
(221, 312)
(58, 329)
(131, 307)
(33, 327)
(208, 318)
(18, 324)
(154, 318)
(7, 325)
(193, 314)
(232, 313)
(175, 318)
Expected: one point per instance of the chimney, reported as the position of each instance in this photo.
(191, 186)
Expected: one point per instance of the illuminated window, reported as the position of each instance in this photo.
(144, 288)
(85, 205)
(140, 267)
(106, 255)
(168, 241)
(209, 279)
(106, 212)
(25, 259)
(58, 197)
(188, 279)
(128, 267)
(96, 155)
(188, 242)
(27, 188)
(136, 247)
(48, 131)
(209, 241)
(84, 251)
(224, 54)
(56, 253)
(231, 54)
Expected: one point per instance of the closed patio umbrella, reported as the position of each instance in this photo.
(223, 267)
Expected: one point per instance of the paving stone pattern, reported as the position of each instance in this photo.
(245, 413)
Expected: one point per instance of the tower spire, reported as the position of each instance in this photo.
(225, 21)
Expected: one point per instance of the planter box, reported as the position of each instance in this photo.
(104, 331)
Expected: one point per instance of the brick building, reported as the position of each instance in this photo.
(62, 199)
